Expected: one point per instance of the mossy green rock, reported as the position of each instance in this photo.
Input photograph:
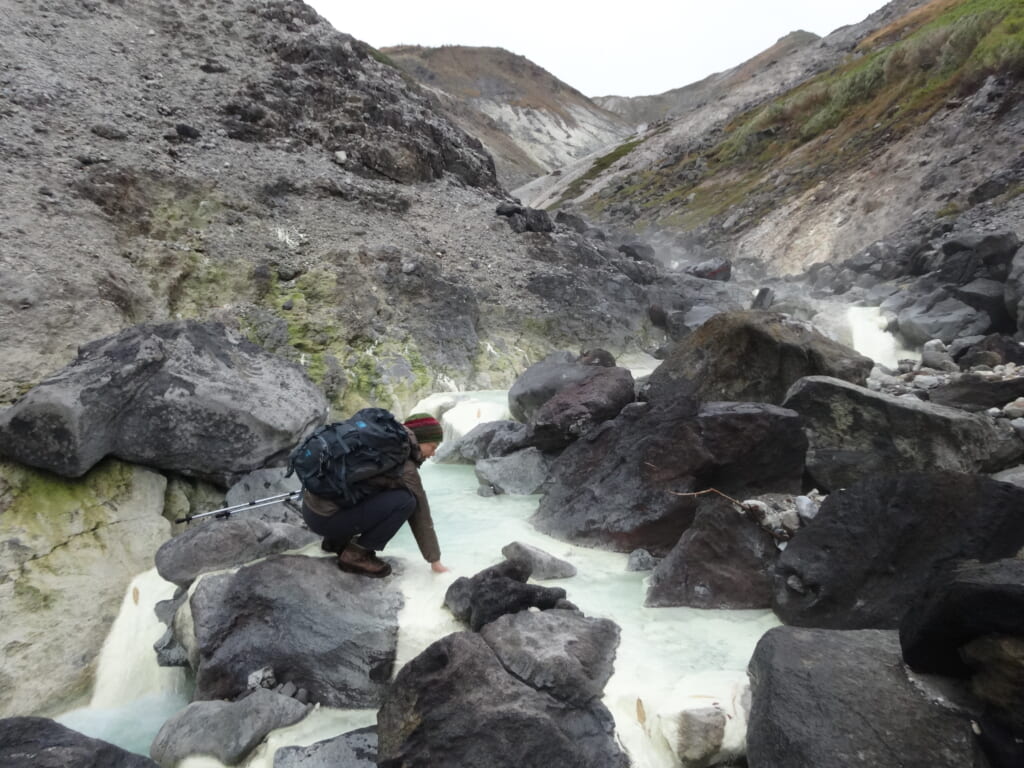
(68, 550)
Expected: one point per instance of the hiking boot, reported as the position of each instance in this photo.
(356, 559)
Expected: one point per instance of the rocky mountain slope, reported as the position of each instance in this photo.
(914, 114)
(245, 162)
(529, 120)
(791, 58)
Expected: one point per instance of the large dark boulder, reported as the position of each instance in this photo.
(38, 742)
(751, 356)
(617, 487)
(227, 730)
(545, 379)
(995, 349)
(973, 600)
(221, 544)
(329, 632)
(874, 547)
(973, 393)
(456, 704)
(724, 560)
(856, 433)
(941, 315)
(576, 408)
(188, 397)
(992, 252)
(844, 700)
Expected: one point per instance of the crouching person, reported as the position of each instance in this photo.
(357, 533)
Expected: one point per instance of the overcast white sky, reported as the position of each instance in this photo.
(629, 48)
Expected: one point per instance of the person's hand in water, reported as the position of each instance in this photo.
(438, 567)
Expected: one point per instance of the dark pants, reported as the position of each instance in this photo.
(374, 520)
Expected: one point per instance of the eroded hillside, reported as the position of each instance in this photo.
(528, 119)
(244, 161)
(921, 117)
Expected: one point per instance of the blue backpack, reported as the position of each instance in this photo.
(337, 458)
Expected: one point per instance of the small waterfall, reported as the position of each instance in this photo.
(870, 337)
(133, 695)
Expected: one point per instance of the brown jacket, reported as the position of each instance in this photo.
(421, 522)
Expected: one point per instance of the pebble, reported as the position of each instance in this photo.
(1014, 410)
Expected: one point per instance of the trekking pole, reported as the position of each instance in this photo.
(226, 512)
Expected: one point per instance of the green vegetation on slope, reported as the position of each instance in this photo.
(600, 166)
(901, 76)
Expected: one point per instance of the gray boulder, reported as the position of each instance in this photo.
(355, 749)
(560, 652)
(221, 544)
(751, 356)
(939, 315)
(876, 545)
(490, 440)
(537, 562)
(579, 406)
(226, 730)
(986, 296)
(329, 632)
(522, 472)
(188, 397)
(456, 704)
(724, 560)
(844, 699)
(971, 392)
(855, 433)
(543, 380)
(38, 742)
(618, 486)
